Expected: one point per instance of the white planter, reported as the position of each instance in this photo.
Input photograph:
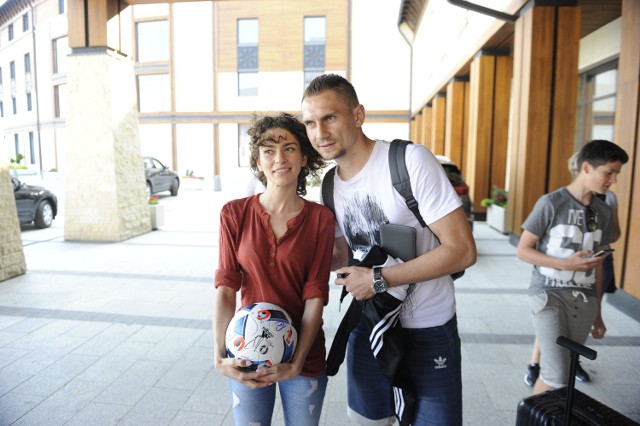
(157, 215)
(496, 217)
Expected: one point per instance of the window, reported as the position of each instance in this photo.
(1, 95)
(60, 52)
(10, 29)
(314, 47)
(25, 22)
(32, 149)
(16, 143)
(152, 41)
(12, 74)
(62, 6)
(247, 57)
(243, 146)
(27, 79)
(154, 93)
(60, 100)
(596, 110)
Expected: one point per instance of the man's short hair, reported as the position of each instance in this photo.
(599, 152)
(334, 82)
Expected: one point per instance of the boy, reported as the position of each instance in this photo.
(560, 237)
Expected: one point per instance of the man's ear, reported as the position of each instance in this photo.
(359, 114)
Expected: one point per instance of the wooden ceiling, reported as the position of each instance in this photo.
(595, 14)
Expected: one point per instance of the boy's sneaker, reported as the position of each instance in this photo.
(533, 371)
(581, 375)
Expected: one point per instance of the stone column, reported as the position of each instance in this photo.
(105, 197)
(12, 261)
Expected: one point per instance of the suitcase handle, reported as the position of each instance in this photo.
(576, 350)
(577, 347)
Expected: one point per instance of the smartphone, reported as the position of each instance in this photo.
(603, 252)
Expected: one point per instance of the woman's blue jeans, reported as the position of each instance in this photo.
(302, 399)
(432, 363)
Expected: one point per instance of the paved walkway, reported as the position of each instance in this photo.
(119, 333)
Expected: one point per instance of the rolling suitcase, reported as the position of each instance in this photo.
(550, 408)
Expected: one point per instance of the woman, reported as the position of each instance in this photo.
(276, 247)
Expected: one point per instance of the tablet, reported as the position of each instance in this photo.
(398, 241)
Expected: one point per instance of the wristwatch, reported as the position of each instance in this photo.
(379, 284)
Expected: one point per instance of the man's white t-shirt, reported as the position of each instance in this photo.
(369, 199)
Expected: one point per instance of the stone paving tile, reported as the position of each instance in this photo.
(36, 360)
(133, 384)
(158, 407)
(189, 371)
(63, 405)
(13, 406)
(9, 355)
(58, 374)
(191, 418)
(108, 340)
(115, 363)
(98, 414)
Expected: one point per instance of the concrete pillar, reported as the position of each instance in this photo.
(12, 261)
(105, 197)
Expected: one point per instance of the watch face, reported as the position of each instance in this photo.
(379, 286)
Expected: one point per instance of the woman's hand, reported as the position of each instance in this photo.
(233, 369)
(277, 373)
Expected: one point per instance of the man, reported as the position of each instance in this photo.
(364, 198)
(559, 238)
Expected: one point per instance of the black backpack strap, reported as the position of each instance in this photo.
(327, 189)
(400, 176)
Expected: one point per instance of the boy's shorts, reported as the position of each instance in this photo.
(568, 313)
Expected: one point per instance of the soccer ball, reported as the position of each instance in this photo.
(263, 333)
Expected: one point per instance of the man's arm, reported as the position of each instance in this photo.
(527, 252)
(456, 252)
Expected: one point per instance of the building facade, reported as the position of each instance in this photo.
(202, 69)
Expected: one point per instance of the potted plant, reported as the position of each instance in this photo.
(496, 208)
(156, 211)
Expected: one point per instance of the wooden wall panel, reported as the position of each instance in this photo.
(281, 27)
(627, 134)
(530, 145)
(565, 88)
(75, 17)
(455, 121)
(427, 122)
(97, 26)
(500, 134)
(478, 168)
(439, 110)
(413, 129)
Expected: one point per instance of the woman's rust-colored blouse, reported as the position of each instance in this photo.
(285, 271)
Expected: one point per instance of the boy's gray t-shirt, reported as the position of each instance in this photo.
(561, 223)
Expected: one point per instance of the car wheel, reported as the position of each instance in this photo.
(148, 190)
(174, 187)
(44, 215)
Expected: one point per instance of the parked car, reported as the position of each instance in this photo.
(34, 204)
(462, 189)
(159, 177)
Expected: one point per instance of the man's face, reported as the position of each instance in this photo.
(332, 126)
(603, 176)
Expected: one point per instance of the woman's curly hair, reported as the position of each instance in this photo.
(260, 124)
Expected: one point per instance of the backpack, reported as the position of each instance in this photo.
(400, 179)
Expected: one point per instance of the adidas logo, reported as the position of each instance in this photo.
(440, 363)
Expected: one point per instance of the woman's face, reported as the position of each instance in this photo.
(280, 158)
